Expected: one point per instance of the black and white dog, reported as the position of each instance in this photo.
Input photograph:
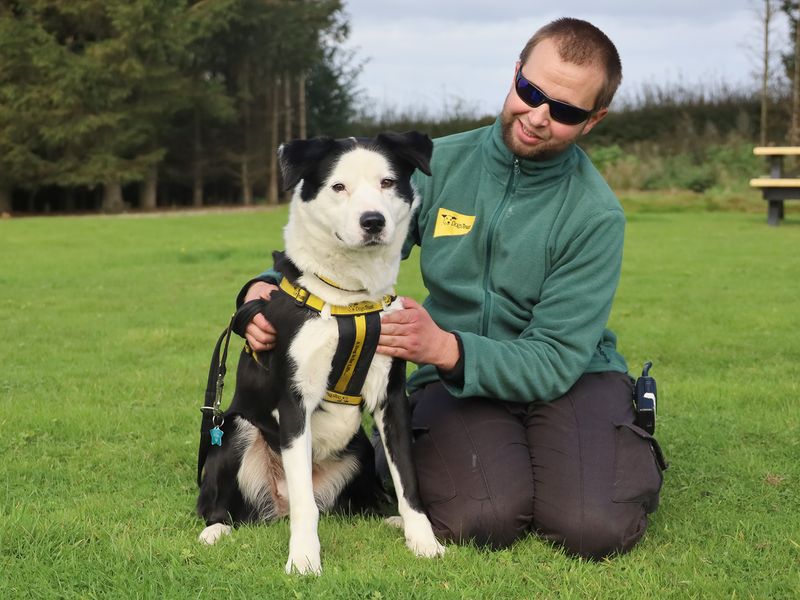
(293, 441)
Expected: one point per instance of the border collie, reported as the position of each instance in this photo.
(293, 441)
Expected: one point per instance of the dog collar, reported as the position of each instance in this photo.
(305, 298)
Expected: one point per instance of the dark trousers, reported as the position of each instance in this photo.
(575, 471)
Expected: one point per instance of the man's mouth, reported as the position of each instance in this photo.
(528, 135)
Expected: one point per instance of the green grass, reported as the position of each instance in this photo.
(107, 325)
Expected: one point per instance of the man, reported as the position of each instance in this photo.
(523, 417)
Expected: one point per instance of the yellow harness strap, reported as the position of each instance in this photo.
(359, 330)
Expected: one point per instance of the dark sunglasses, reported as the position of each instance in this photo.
(559, 111)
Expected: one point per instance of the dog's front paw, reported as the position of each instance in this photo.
(211, 534)
(420, 538)
(429, 547)
(304, 557)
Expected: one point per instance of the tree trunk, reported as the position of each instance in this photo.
(69, 199)
(197, 163)
(287, 107)
(112, 198)
(148, 191)
(5, 200)
(794, 135)
(301, 106)
(247, 122)
(273, 173)
(247, 186)
(197, 186)
(768, 13)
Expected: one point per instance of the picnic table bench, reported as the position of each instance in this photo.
(776, 188)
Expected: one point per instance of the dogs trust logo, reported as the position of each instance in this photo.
(449, 222)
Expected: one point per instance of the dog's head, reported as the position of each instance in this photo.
(355, 193)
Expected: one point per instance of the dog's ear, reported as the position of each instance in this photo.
(412, 147)
(298, 157)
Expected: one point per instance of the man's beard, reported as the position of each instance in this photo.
(543, 151)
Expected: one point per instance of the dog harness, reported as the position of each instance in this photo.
(359, 329)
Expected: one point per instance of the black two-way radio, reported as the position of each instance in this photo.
(645, 400)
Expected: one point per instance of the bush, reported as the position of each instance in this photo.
(650, 166)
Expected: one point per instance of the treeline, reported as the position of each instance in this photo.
(117, 103)
(140, 104)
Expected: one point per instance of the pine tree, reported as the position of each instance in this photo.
(29, 62)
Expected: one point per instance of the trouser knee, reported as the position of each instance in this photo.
(601, 536)
(484, 529)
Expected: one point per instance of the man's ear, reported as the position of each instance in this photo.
(412, 147)
(594, 120)
(298, 157)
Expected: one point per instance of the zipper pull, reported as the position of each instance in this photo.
(516, 166)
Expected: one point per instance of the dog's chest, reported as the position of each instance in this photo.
(312, 353)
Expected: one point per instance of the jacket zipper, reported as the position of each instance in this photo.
(487, 299)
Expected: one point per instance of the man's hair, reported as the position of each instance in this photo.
(581, 43)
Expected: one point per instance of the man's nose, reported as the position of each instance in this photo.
(539, 116)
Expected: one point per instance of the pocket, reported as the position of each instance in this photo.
(638, 466)
(433, 477)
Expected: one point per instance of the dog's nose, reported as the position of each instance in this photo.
(372, 222)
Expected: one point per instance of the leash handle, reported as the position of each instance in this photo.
(222, 368)
(212, 405)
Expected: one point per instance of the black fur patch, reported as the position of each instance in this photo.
(311, 161)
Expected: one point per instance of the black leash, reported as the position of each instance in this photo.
(213, 416)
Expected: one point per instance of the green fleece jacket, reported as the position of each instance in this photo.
(521, 259)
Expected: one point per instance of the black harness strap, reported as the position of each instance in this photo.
(358, 340)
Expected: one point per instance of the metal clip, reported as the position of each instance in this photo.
(218, 395)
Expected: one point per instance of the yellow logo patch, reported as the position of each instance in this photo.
(449, 222)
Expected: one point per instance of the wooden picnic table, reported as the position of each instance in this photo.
(776, 188)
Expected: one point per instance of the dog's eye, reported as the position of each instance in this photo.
(338, 187)
(387, 183)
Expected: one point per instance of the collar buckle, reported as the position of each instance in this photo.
(301, 296)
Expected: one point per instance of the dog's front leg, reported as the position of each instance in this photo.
(304, 547)
(393, 420)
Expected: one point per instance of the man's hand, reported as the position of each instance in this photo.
(260, 334)
(412, 335)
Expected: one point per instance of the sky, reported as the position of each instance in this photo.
(439, 56)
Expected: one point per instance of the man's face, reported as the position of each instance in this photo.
(531, 132)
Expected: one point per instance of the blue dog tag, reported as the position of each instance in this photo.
(216, 436)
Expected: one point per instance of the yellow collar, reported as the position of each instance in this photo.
(305, 298)
(336, 285)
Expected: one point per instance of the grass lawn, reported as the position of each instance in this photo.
(107, 325)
